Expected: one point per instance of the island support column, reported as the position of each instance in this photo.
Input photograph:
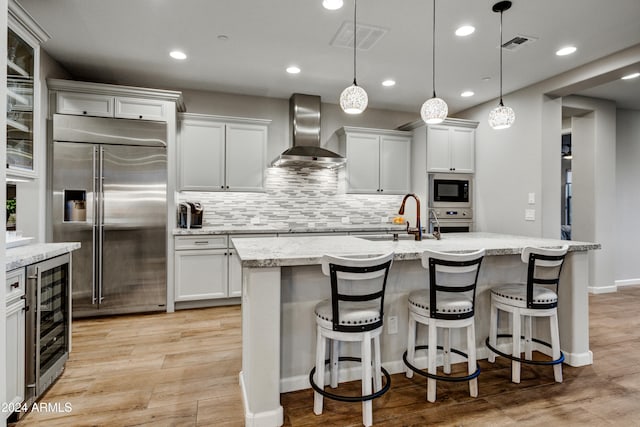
(260, 376)
(573, 309)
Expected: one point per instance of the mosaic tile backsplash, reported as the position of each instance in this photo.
(295, 196)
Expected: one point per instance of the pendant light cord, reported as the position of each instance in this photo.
(500, 58)
(433, 50)
(355, 32)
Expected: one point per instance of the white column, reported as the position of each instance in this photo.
(260, 376)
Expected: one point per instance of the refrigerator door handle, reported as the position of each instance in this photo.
(101, 224)
(94, 189)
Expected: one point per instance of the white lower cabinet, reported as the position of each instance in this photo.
(201, 274)
(235, 274)
(15, 345)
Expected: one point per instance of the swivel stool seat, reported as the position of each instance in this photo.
(353, 314)
(538, 297)
(448, 302)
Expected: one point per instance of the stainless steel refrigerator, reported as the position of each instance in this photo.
(108, 191)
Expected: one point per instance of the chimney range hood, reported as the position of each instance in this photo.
(304, 115)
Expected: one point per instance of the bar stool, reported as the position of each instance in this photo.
(449, 302)
(536, 298)
(353, 314)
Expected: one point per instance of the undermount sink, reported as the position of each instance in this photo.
(392, 237)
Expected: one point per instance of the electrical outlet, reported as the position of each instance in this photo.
(345, 220)
(255, 220)
(311, 224)
(384, 219)
(529, 214)
(392, 325)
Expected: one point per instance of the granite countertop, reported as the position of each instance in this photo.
(293, 251)
(21, 256)
(285, 228)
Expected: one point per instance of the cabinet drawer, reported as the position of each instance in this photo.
(141, 109)
(83, 104)
(201, 242)
(15, 284)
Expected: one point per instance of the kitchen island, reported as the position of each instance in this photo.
(282, 281)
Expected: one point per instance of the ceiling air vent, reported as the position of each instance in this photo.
(368, 36)
(518, 42)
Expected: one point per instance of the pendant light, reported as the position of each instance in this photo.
(354, 99)
(434, 110)
(501, 117)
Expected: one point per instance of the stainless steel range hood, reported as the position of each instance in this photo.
(304, 115)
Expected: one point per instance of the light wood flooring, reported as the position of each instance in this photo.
(181, 369)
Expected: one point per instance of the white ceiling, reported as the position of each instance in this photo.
(127, 42)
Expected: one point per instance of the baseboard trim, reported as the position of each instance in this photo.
(259, 419)
(602, 289)
(627, 282)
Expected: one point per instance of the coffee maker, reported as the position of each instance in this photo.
(190, 215)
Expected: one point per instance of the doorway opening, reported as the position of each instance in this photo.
(565, 227)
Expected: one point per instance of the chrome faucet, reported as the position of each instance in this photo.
(432, 212)
(416, 231)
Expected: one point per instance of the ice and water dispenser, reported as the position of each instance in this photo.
(75, 205)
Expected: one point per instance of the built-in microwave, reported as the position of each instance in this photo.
(452, 190)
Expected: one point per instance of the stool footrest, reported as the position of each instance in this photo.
(522, 359)
(343, 398)
(441, 377)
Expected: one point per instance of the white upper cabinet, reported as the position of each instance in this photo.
(378, 160)
(451, 147)
(221, 153)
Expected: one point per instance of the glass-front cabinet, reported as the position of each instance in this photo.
(19, 104)
(24, 132)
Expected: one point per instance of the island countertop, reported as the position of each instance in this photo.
(308, 250)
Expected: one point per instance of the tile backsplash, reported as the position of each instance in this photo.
(295, 196)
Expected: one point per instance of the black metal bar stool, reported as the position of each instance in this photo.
(448, 302)
(354, 314)
(536, 298)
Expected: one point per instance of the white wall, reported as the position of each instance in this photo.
(627, 206)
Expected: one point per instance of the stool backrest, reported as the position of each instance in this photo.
(359, 281)
(451, 273)
(543, 268)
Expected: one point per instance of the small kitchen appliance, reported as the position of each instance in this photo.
(190, 215)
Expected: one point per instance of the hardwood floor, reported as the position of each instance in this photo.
(181, 369)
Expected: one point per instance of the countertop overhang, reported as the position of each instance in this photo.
(22, 256)
(308, 250)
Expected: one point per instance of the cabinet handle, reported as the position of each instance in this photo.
(15, 285)
(381, 190)
(139, 117)
(84, 112)
(222, 186)
(227, 187)
(201, 242)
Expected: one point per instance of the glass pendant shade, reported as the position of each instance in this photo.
(434, 111)
(501, 117)
(354, 99)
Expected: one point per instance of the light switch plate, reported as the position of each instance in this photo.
(392, 325)
(529, 214)
(532, 198)
(255, 220)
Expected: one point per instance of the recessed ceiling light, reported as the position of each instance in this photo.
(389, 82)
(223, 37)
(631, 76)
(332, 4)
(568, 50)
(467, 93)
(176, 54)
(465, 30)
(293, 70)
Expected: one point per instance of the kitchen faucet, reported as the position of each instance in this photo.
(417, 231)
(435, 233)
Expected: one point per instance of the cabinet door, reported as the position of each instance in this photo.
(395, 164)
(84, 104)
(462, 146)
(141, 109)
(235, 274)
(363, 163)
(200, 274)
(438, 156)
(15, 353)
(201, 156)
(246, 147)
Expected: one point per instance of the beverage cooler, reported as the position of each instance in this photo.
(47, 324)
